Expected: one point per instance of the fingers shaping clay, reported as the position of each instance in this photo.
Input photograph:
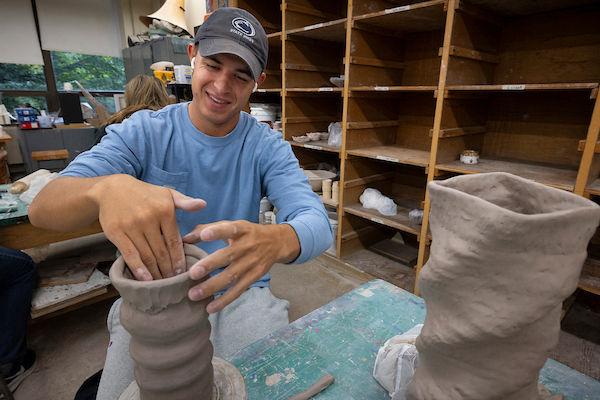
(170, 339)
(505, 253)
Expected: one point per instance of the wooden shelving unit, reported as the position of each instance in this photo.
(516, 81)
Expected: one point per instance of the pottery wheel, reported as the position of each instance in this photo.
(228, 383)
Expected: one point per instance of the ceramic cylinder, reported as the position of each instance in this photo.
(335, 191)
(505, 253)
(170, 334)
(326, 189)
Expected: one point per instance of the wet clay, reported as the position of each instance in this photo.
(314, 389)
(170, 338)
(505, 253)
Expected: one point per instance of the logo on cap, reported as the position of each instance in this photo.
(242, 25)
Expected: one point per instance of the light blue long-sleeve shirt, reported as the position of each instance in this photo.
(232, 173)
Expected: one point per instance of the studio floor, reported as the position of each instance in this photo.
(71, 347)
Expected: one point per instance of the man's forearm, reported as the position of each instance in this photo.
(289, 243)
(66, 204)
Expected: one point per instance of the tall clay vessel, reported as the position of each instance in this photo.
(505, 253)
(169, 334)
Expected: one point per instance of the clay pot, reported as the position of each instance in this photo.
(505, 253)
(169, 333)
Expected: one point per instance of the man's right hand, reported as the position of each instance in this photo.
(139, 218)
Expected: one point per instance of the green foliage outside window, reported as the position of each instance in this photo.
(93, 72)
(22, 77)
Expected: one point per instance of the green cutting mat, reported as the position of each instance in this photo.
(342, 338)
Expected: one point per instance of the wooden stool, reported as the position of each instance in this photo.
(48, 156)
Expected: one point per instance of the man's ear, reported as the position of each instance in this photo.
(191, 51)
(261, 78)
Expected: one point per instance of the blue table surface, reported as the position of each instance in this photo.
(343, 337)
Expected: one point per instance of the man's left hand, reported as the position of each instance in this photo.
(252, 251)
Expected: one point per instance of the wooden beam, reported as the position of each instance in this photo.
(471, 54)
(310, 67)
(375, 62)
(367, 179)
(437, 122)
(461, 131)
(343, 154)
(371, 124)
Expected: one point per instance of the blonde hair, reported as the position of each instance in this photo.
(142, 92)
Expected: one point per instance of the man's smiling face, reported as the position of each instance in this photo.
(221, 85)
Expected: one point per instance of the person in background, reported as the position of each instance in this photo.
(142, 92)
(17, 281)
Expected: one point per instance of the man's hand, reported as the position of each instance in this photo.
(252, 251)
(139, 218)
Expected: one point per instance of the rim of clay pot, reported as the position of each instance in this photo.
(579, 203)
(117, 272)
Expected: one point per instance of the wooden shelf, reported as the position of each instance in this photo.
(393, 88)
(462, 131)
(394, 154)
(332, 31)
(594, 188)
(522, 87)
(274, 39)
(371, 124)
(323, 89)
(320, 145)
(399, 221)
(271, 90)
(330, 203)
(561, 178)
(590, 276)
(419, 17)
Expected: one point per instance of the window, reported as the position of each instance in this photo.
(95, 73)
(101, 75)
(22, 77)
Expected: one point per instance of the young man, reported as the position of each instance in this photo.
(145, 181)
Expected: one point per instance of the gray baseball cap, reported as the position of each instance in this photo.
(234, 31)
